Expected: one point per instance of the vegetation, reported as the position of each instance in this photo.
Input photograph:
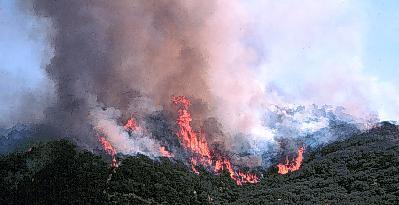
(363, 169)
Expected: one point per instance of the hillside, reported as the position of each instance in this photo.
(363, 169)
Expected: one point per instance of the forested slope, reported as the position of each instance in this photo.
(363, 169)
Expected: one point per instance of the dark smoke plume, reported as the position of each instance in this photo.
(118, 51)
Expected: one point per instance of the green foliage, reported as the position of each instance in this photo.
(363, 169)
(52, 173)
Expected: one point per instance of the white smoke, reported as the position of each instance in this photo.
(310, 52)
(105, 121)
(268, 54)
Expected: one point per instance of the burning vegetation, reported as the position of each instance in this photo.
(165, 152)
(362, 169)
(291, 165)
(196, 143)
(131, 125)
(110, 150)
(158, 49)
(200, 154)
(107, 65)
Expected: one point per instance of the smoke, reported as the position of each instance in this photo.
(105, 121)
(312, 53)
(119, 51)
(258, 73)
(138, 54)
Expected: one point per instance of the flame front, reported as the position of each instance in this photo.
(196, 143)
(200, 153)
(293, 165)
(110, 150)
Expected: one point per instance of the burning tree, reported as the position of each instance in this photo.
(196, 143)
(292, 165)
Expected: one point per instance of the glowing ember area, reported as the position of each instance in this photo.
(165, 152)
(196, 143)
(239, 177)
(110, 150)
(131, 125)
(193, 165)
(248, 177)
(293, 165)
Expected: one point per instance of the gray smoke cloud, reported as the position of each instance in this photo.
(121, 50)
(132, 56)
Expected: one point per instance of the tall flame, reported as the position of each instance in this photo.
(110, 150)
(198, 146)
(293, 165)
(195, 142)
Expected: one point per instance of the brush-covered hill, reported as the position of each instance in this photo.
(363, 169)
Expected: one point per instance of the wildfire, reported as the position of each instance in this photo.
(193, 165)
(110, 150)
(165, 152)
(131, 125)
(293, 165)
(239, 177)
(191, 140)
(248, 177)
(198, 146)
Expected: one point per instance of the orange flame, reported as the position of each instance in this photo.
(190, 139)
(294, 165)
(197, 144)
(107, 146)
(193, 164)
(131, 125)
(248, 177)
(110, 150)
(165, 152)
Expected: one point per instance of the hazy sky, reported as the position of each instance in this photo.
(24, 50)
(381, 43)
(23, 54)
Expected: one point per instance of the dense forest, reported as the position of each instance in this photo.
(363, 169)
